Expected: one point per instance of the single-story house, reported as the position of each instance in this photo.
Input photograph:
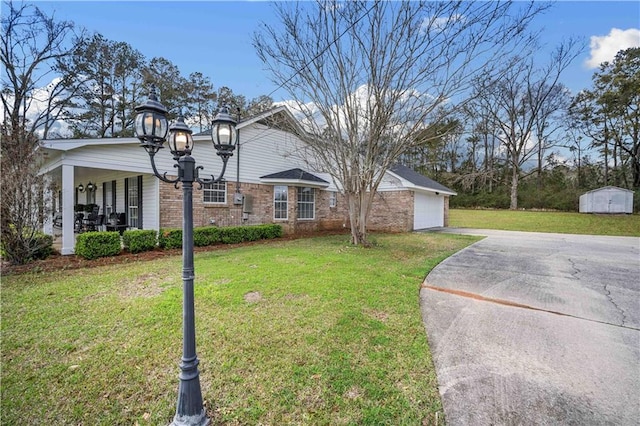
(266, 181)
(608, 199)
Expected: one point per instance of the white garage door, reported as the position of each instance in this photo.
(428, 211)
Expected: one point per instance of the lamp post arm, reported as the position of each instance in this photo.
(213, 178)
(162, 177)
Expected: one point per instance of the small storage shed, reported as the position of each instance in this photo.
(608, 199)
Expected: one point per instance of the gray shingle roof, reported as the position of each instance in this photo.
(295, 174)
(418, 179)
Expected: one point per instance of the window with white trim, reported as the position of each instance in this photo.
(109, 198)
(280, 202)
(306, 203)
(215, 193)
(133, 201)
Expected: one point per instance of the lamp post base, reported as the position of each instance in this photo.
(189, 403)
(199, 420)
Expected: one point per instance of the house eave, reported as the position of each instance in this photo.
(70, 144)
(295, 182)
(437, 191)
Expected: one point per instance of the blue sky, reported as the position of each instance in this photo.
(214, 37)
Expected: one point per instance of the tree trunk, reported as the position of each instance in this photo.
(358, 214)
(514, 189)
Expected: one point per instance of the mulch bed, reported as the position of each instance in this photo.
(58, 262)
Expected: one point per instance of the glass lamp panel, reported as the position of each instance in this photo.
(161, 127)
(139, 125)
(224, 135)
(232, 134)
(149, 123)
(181, 142)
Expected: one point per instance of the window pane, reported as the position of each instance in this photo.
(215, 193)
(132, 196)
(109, 208)
(280, 202)
(306, 203)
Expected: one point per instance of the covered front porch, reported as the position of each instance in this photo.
(96, 181)
(87, 199)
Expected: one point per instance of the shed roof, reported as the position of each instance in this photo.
(606, 188)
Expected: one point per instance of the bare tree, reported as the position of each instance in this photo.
(368, 77)
(522, 102)
(550, 125)
(482, 147)
(30, 45)
(22, 210)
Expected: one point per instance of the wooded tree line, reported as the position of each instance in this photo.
(524, 141)
(93, 84)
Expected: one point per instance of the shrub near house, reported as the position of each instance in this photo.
(139, 240)
(211, 235)
(92, 245)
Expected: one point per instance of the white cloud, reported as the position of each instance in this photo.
(36, 108)
(440, 24)
(409, 108)
(604, 48)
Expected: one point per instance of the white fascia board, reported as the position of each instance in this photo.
(69, 144)
(295, 182)
(50, 166)
(414, 187)
(262, 116)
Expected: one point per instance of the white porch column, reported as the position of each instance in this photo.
(68, 215)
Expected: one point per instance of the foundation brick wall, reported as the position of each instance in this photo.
(171, 205)
(392, 211)
(327, 218)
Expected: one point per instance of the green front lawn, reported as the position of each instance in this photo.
(542, 221)
(310, 331)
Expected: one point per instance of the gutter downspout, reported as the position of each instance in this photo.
(238, 153)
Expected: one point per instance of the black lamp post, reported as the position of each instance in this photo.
(151, 128)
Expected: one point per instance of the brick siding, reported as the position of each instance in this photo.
(392, 211)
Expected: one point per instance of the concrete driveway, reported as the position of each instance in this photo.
(537, 329)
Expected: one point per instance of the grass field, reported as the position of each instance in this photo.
(542, 221)
(310, 331)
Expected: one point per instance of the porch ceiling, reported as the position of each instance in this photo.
(85, 175)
